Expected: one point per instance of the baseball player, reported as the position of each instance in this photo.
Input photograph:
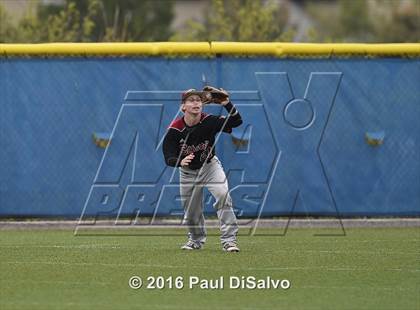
(189, 145)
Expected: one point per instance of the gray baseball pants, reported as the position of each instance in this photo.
(192, 183)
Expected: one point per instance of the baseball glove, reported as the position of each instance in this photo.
(216, 95)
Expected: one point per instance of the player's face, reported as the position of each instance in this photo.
(193, 104)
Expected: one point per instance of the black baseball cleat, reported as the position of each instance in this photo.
(191, 245)
(230, 247)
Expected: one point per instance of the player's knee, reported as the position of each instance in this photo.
(223, 200)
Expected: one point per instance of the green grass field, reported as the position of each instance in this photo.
(369, 268)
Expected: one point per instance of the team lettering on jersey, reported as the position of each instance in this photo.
(203, 147)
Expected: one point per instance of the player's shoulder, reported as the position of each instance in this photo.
(208, 119)
(204, 117)
(212, 117)
(178, 124)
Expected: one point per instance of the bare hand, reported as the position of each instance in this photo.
(187, 160)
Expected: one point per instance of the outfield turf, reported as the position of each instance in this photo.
(369, 268)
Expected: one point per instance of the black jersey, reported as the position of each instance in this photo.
(182, 140)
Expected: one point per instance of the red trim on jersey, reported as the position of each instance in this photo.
(179, 123)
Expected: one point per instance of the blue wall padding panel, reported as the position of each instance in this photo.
(305, 122)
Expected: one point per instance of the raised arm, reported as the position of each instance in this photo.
(234, 118)
(221, 96)
(226, 123)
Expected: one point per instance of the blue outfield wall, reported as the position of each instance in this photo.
(303, 147)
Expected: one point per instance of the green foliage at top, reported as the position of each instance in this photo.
(91, 21)
(239, 20)
(401, 23)
(6, 29)
(381, 21)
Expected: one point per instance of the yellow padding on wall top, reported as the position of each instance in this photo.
(211, 48)
(290, 49)
(152, 49)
